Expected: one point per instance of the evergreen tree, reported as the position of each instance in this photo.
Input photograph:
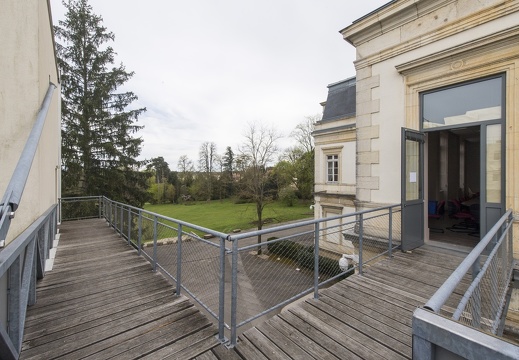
(228, 171)
(99, 148)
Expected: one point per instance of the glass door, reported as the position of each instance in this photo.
(412, 189)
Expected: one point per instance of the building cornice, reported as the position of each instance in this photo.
(491, 43)
(483, 16)
(389, 18)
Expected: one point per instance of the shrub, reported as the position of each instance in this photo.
(304, 257)
(287, 195)
(286, 248)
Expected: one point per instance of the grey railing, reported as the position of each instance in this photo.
(22, 261)
(14, 190)
(481, 305)
(285, 266)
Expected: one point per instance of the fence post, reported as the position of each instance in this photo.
(221, 295)
(361, 234)
(129, 225)
(121, 222)
(234, 291)
(390, 232)
(316, 261)
(100, 204)
(14, 303)
(179, 260)
(139, 239)
(115, 217)
(154, 243)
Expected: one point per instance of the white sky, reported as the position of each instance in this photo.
(204, 69)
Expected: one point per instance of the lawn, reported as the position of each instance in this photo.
(225, 215)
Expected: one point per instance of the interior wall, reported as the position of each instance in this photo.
(434, 184)
(472, 166)
(453, 168)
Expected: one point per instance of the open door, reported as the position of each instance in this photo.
(412, 189)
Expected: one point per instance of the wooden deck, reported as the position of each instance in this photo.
(362, 317)
(103, 301)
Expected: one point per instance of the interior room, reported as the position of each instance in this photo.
(453, 186)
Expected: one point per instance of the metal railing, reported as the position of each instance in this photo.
(23, 259)
(16, 186)
(288, 263)
(474, 295)
(22, 262)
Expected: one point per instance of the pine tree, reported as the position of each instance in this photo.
(99, 147)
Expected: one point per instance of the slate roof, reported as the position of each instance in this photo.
(341, 101)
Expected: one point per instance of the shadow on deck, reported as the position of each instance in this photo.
(102, 301)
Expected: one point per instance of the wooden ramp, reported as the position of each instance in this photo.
(103, 301)
(362, 317)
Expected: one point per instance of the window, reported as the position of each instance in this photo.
(469, 102)
(332, 162)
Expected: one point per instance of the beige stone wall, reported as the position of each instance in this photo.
(27, 64)
(413, 46)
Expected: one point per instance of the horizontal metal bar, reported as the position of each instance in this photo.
(442, 294)
(14, 190)
(177, 221)
(464, 300)
(9, 254)
(459, 339)
(303, 223)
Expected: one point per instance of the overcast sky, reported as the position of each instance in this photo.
(205, 69)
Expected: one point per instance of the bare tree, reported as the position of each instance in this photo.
(303, 132)
(258, 152)
(185, 168)
(206, 162)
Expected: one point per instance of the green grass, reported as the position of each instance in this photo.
(225, 215)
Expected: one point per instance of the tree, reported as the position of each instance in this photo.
(160, 189)
(228, 171)
(207, 161)
(99, 149)
(185, 175)
(301, 157)
(303, 132)
(258, 152)
(160, 168)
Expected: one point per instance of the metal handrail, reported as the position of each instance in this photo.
(444, 292)
(128, 222)
(14, 191)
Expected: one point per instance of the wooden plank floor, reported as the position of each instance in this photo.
(361, 317)
(102, 301)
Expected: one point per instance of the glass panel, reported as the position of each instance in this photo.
(412, 167)
(478, 101)
(493, 173)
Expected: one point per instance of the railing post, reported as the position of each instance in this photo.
(390, 251)
(155, 243)
(14, 303)
(316, 261)
(234, 291)
(60, 211)
(115, 217)
(221, 293)
(121, 222)
(361, 235)
(129, 225)
(100, 205)
(139, 239)
(179, 260)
